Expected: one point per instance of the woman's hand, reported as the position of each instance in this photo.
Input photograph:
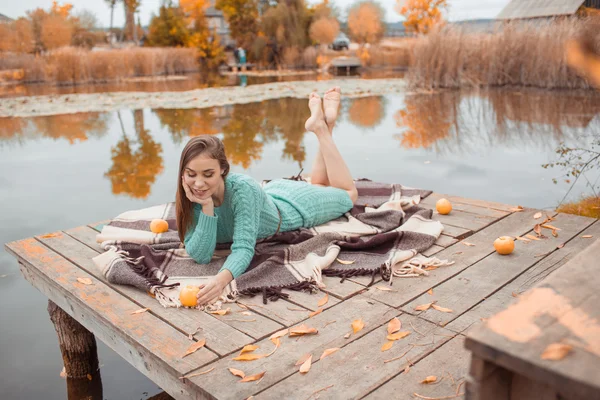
(208, 206)
(210, 292)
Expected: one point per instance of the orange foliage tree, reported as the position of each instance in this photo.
(365, 22)
(55, 32)
(324, 30)
(17, 36)
(421, 15)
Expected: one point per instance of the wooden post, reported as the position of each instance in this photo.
(79, 353)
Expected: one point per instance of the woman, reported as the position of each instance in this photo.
(214, 206)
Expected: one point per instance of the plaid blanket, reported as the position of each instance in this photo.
(382, 235)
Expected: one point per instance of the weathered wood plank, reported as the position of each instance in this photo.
(505, 296)
(256, 325)
(335, 287)
(449, 364)
(445, 241)
(406, 289)
(432, 250)
(465, 220)
(223, 385)
(475, 202)
(430, 202)
(221, 338)
(150, 345)
(359, 368)
(487, 276)
(454, 231)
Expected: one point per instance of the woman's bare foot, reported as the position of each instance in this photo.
(331, 105)
(316, 122)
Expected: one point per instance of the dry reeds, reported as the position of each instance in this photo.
(382, 56)
(515, 54)
(70, 65)
(586, 207)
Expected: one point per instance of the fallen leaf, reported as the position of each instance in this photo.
(384, 289)
(277, 343)
(279, 334)
(249, 357)
(357, 325)
(237, 372)
(323, 301)
(538, 229)
(394, 325)
(552, 227)
(387, 345)
(305, 367)
(398, 335)
(252, 378)
(537, 215)
(85, 281)
(50, 235)
(457, 252)
(220, 312)
(560, 246)
(141, 310)
(312, 314)
(554, 233)
(197, 374)
(429, 379)
(302, 330)
(430, 291)
(344, 261)
(556, 351)
(302, 359)
(248, 348)
(517, 209)
(347, 335)
(523, 239)
(407, 369)
(195, 347)
(587, 236)
(442, 309)
(242, 306)
(328, 352)
(515, 294)
(247, 313)
(423, 307)
(528, 236)
(467, 244)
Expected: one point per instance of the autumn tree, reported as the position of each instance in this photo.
(17, 36)
(168, 28)
(242, 17)
(287, 23)
(55, 32)
(205, 40)
(421, 15)
(324, 30)
(325, 9)
(366, 22)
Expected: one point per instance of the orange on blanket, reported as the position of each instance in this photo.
(159, 226)
(187, 296)
(443, 206)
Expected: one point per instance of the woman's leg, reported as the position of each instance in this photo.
(336, 169)
(331, 104)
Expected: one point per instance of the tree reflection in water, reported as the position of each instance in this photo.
(367, 112)
(182, 123)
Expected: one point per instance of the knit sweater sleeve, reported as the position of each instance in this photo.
(246, 220)
(200, 241)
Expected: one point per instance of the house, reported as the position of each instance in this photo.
(528, 9)
(216, 21)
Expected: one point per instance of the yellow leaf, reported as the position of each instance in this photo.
(249, 357)
(523, 239)
(279, 334)
(387, 345)
(302, 330)
(254, 377)
(430, 291)
(220, 312)
(394, 325)
(247, 313)
(305, 367)
(50, 235)
(442, 309)
(538, 229)
(587, 236)
(556, 351)
(237, 372)
(528, 236)
(85, 281)
(429, 379)
(195, 347)
(248, 348)
(423, 307)
(302, 359)
(344, 261)
(517, 209)
(537, 215)
(312, 314)
(328, 352)
(357, 325)
(552, 227)
(467, 244)
(384, 289)
(323, 301)
(141, 310)
(554, 233)
(197, 374)
(398, 335)
(276, 342)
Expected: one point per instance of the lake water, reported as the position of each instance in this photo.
(63, 171)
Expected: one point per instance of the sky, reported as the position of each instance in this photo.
(458, 10)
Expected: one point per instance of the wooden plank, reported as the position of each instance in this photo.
(430, 201)
(335, 287)
(487, 276)
(221, 338)
(150, 345)
(256, 325)
(505, 296)
(487, 381)
(454, 231)
(474, 202)
(359, 368)
(465, 220)
(406, 289)
(445, 241)
(449, 364)
(432, 250)
(562, 309)
(222, 384)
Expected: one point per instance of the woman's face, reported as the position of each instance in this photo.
(203, 176)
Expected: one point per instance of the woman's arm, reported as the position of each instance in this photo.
(200, 241)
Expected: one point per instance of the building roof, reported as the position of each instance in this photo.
(539, 8)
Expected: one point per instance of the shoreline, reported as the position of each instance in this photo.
(33, 106)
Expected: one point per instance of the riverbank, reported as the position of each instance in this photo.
(32, 106)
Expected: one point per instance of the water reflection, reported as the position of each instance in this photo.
(367, 112)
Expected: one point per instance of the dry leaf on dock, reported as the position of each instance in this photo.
(85, 281)
(556, 351)
(442, 309)
(398, 335)
(429, 379)
(302, 330)
(323, 301)
(249, 357)
(195, 347)
(328, 352)
(537, 215)
(423, 307)
(237, 372)
(140, 311)
(305, 367)
(357, 325)
(252, 378)
(387, 345)
(248, 348)
(394, 325)
(312, 314)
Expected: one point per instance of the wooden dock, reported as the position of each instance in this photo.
(480, 284)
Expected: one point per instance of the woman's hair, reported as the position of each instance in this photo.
(205, 144)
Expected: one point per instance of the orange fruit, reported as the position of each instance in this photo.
(187, 296)
(443, 206)
(159, 226)
(504, 245)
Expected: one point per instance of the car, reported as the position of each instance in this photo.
(341, 42)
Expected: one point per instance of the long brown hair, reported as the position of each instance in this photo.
(212, 146)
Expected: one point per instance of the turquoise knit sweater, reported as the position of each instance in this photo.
(249, 212)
